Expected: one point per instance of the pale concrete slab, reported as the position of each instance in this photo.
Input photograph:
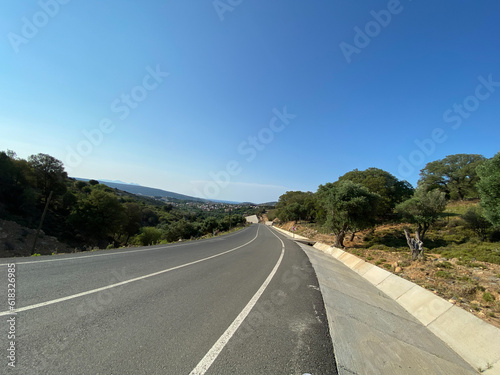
(423, 305)
(376, 275)
(395, 286)
(373, 334)
(349, 260)
(475, 340)
(441, 317)
(321, 246)
(362, 268)
(252, 219)
(336, 252)
(494, 369)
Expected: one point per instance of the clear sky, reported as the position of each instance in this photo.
(243, 100)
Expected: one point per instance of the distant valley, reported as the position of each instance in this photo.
(152, 192)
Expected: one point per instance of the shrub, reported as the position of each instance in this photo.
(148, 236)
(443, 274)
(447, 265)
(466, 290)
(488, 297)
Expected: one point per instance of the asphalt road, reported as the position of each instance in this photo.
(245, 303)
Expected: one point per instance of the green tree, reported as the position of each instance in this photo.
(49, 174)
(209, 225)
(149, 217)
(489, 189)
(98, 216)
(391, 190)
(296, 205)
(181, 229)
(148, 236)
(454, 175)
(17, 193)
(348, 206)
(475, 221)
(132, 220)
(423, 209)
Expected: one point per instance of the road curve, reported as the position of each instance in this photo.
(245, 303)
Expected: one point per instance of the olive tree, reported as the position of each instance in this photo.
(454, 175)
(348, 206)
(423, 209)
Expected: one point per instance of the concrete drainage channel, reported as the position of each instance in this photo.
(473, 340)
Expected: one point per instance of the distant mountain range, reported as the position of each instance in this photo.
(137, 189)
(144, 190)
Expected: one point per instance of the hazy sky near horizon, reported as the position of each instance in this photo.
(243, 100)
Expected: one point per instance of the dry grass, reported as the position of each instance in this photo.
(472, 285)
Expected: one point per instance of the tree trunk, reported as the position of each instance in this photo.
(352, 236)
(415, 244)
(339, 237)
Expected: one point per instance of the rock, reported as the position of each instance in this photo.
(474, 302)
(395, 264)
(398, 269)
(452, 300)
(481, 314)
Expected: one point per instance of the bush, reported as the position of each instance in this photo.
(148, 236)
(488, 297)
(443, 274)
(444, 265)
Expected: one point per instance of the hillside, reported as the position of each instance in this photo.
(458, 266)
(80, 215)
(146, 191)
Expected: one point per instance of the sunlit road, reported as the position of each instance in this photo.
(245, 303)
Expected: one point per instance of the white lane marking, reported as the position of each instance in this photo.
(88, 256)
(214, 352)
(107, 254)
(31, 307)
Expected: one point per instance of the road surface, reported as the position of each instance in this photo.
(244, 303)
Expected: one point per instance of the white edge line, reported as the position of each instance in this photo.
(216, 349)
(101, 255)
(31, 307)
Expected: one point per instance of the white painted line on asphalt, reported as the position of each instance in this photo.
(107, 254)
(214, 352)
(87, 256)
(31, 307)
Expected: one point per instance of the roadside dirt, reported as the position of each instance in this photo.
(17, 241)
(475, 288)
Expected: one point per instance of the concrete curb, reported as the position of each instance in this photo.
(476, 341)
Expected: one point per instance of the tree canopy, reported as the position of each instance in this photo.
(391, 190)
(454, 175)
(87, 214)
(423, 209)
(49, 174)
(296, 205)
(489, 189)
(348, 206)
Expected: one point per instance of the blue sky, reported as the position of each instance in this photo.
(244, 100)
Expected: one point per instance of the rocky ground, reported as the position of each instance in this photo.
(474, 286)
(17, 241)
